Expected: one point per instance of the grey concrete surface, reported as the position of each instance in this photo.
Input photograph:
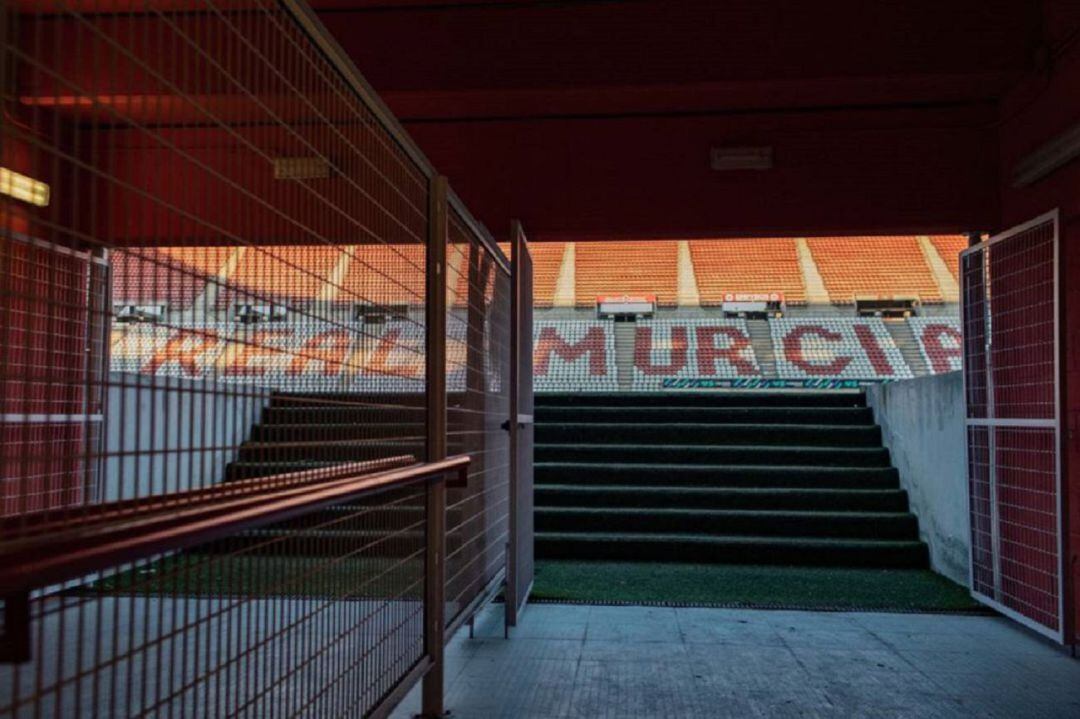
(922, 424)
(580, 661)
(193, 426)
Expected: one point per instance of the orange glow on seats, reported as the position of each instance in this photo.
(385, 275)
(890, 266)
(272, 273)
(174, 276)
(637, 268)
(950, 247)
(765, 264)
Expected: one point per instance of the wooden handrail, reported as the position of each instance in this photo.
(64, 555)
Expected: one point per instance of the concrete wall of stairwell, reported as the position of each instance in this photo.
(176, 419)
(922, 424)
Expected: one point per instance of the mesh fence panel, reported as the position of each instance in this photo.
(213, 252)
(478, 372)
(1011, 377)
(321, 615)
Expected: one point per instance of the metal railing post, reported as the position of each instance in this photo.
(435, 569)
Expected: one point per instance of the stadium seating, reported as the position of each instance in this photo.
(747, 265)
(854, 267)
(673, 349)
(843, 348)
(631, 268)
(171, 276)
(280, 274)
(458, 275)
(283, 356)
(574, 355)
(547, 260)
(384, 275)
(939, 341)
(949, 248)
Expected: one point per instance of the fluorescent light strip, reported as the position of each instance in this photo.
(22, 187)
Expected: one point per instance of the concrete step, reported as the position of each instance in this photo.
(906, 342)
(708, 548)
(684, 433)
(706, 415)
(865, 525)
(705, 455)
(735, 398)
(752, 498)
(715, 476)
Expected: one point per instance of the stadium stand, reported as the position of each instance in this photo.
(547, 260)
(569, 355)
(171, 276)
(845, 348)
(573, 356)
(630, 268)
(747, 265)
(939, 341)
(673, 349)
(949, 248)
(257, 277)
(853, 267)
(572, 353)
(296, 357)
(384, 275)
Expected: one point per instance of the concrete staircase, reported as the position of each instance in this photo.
(905, 340)
(761, 341)
(787, 478)
(624, 353)
(298, 432)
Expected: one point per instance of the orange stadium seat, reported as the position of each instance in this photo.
(766, 264)
(385, 275)
(873, 267)
(547, 261)
(174, 276)
(638, 268)
(950, 247)
(272, 273)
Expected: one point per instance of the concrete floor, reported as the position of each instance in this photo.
(580, 661)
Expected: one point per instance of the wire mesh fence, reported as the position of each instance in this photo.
(1011, 376)
(321, 615)
(478, 409)
(213, 241)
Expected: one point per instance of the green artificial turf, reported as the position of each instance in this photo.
(750, 585)
(194, 574)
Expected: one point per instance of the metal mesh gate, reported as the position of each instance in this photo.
(1011, 373)
(520, 564)
(478, 406)
(217, 407)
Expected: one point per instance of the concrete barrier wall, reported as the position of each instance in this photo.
(193, 427)
(922, 424)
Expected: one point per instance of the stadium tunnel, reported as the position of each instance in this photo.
(788, 291)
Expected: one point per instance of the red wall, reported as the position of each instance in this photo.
(846, 172)
(1039, 108)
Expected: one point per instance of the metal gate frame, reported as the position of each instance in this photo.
(519, 555)
(990, 422)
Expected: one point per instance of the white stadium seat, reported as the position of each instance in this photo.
(940, 342)
(836, 347)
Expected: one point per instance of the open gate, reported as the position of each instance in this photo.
(1010, 296)
(520, 558)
